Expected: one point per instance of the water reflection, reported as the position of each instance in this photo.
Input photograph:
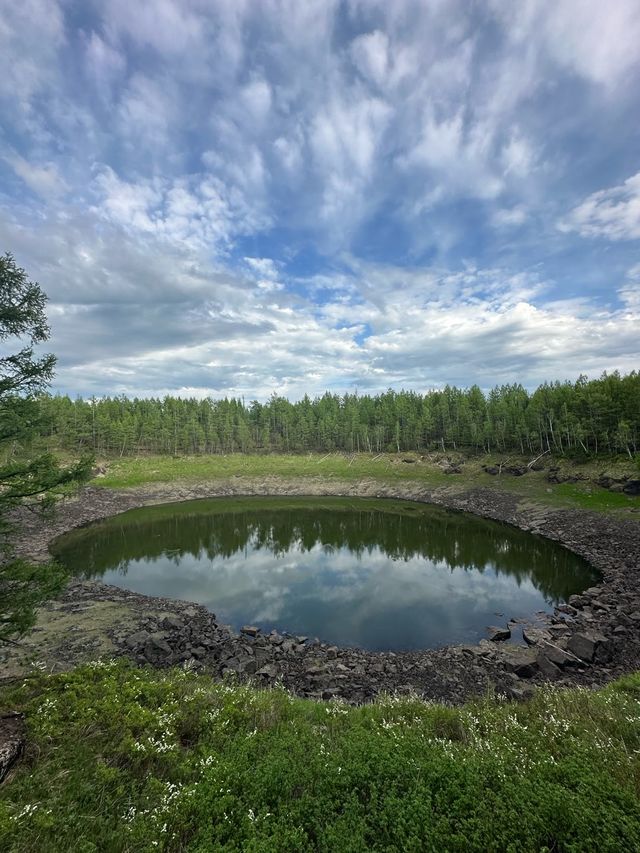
(381, 575)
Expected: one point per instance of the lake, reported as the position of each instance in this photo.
(377, 574)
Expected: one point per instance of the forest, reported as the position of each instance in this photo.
(583, 418)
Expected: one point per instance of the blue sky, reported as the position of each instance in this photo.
(243, 197)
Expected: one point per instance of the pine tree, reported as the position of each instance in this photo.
(25, 480)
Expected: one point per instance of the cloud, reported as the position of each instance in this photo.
(612, 213)
(596, 41)
(236, 197)
(44, 180)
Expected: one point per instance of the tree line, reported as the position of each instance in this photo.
(582, 418)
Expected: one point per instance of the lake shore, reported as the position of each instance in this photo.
(590, 641)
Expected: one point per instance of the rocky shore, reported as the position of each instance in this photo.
(592, 639)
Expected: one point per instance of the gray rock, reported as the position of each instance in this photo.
(172, 623)
(547, 667)
(137, 640)
(522, 662)
(558, 655)
(156, 648)
(632, 488)
(269, 671)
(11, 741)
(496, 634)
(585, 644)
(250, 630)
(535, 636)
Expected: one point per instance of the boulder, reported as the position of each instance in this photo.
(250, 630)
(516, 470)
(171, 622)
(547, 667)
(11, 741)
(269, 671)
(156, 648)
(558, 655)
(522, 662)
(632, 488)
(585, 644)
(533, 636)
(498, 634)
(137, 640)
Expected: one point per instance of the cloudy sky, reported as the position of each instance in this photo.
(247, 196)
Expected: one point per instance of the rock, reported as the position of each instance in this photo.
(519, 692)
(547, 667)
(585, 645)
(516, 470)
(269, 671)
(534, 636)
(593, 592)
(522, 662)
(250, 630)
(569, 609)
(498, 634)
(632, 488)
(242, 664)
(606, 481)
(172, 623)
(156, 648)
(137, 640)
(199, 652)
(452, 469)
(410, 461)
(11, 741)
(558, 655)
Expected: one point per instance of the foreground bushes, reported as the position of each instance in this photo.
(132, 760)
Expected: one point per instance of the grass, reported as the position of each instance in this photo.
(385, 469)
(123, 759)
(133, 472)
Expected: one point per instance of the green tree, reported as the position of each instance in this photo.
(27, 480)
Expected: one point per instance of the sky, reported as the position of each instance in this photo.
(248, 197)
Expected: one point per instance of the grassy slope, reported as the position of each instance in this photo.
(124, 759)
(129, 473)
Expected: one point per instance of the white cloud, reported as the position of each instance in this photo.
(44, 180)
(508, 217)
(31, 34)
(371, 56)
(598, 41)
(613, 213)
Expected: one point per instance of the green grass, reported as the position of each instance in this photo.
(130, 472)
(121, 759)
(385, 469)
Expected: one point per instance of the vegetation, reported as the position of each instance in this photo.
(124, 759)
(31, 481)
(584, 418)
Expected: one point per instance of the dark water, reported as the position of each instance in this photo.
(360, 572)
